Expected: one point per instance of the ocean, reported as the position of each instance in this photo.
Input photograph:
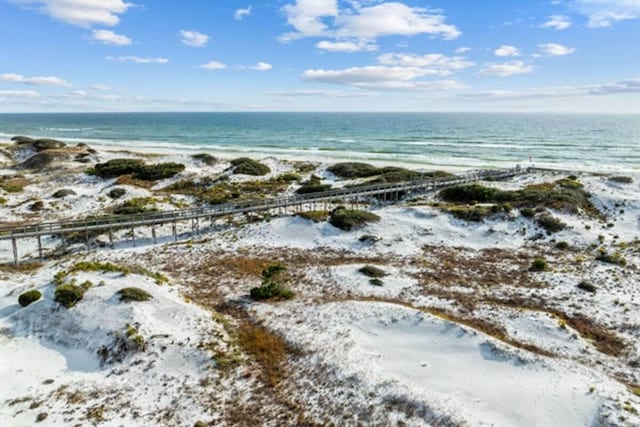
(597, 143)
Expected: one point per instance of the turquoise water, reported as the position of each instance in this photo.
(580, 142)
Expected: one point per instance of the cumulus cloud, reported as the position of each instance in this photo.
(261, 66)
(25, 94)
(84, 13)
(505, 69)
(109, 37)
(604, 13)
(558, 22)
(213, 65)
(36, 81)
(625, 86)
(506, 50)
(193, 38)
(433, 63)
(555, 49)
(365, 21)
(137, 59)
(380, 77)
(346, 46)
(240, 14)
(462, 49)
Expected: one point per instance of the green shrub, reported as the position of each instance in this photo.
(205, 158)
(135, 206)
(369, 238)
(47, 144)
(62, 193)
(158, 171)
(616, 259)
(376, 282)
(273, 270)
(472, 213)
(133, 294)
(539, 264)
(371, 271)
(587, 286)
(313, 185)
(288, 177)
(621, 179)
(247, 166)
(562, 245)
(103, 267)
(11, 187)
(116, 193)
(527, 212)
(68, 295)
(315, 216)
(117, 167)
(271, 287)
(28, 297)
(353, 170)
(550, 223)
(349, 219)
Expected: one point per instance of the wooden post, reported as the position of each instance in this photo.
(40, 248)
(15, 251)
(133, 236)
(153, 233)
(111, 238)
(86, 240)
(174, 231)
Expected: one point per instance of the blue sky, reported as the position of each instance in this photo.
(320, 55)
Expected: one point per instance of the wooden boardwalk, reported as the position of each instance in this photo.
(108, 224)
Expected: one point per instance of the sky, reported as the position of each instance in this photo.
(320, 55)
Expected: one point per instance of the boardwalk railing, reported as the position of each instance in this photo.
(110, 223)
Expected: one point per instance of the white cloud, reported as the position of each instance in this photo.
(557, 22)
(100, 87)
(462, 49)
(306, 17)
(193, 38)
(137, 59)
(37, 81)
(84, 13)
(604, 13)
(555, 49)
(393, 18)
(240, 14)
(319, 92)
(261, 66)
(505, 69)
(381, 77)
(78, 94)
(506, 50)
(109, 37)
(364, 21)
(626, 86)
(433, 63)
(346, 46)
(213, 65)
(26, 94)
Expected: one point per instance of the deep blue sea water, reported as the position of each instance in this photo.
(456, 140)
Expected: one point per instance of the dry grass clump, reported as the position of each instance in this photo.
(268, 349)
(23, 267)
(315, 216)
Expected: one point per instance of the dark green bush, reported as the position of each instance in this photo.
(68, 295)
(158, 171)
(271, 290)
(247, 166)
(587, 286)
(62, 193)
(562, 245)
(369, 238)
(371, 271)
(273, 270)
(135, 206)
(349, 219)
(313, 185)
(288, 177)
(621, 179)
(353, 170)
(28, 297)
(133, 294)
(616, 259)
(205, 158)
(117, 167)
(472, 213)
(376, 282)
(527, 212)
(315, 216)
(539, 265)
(550, 223)
(116, 193)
